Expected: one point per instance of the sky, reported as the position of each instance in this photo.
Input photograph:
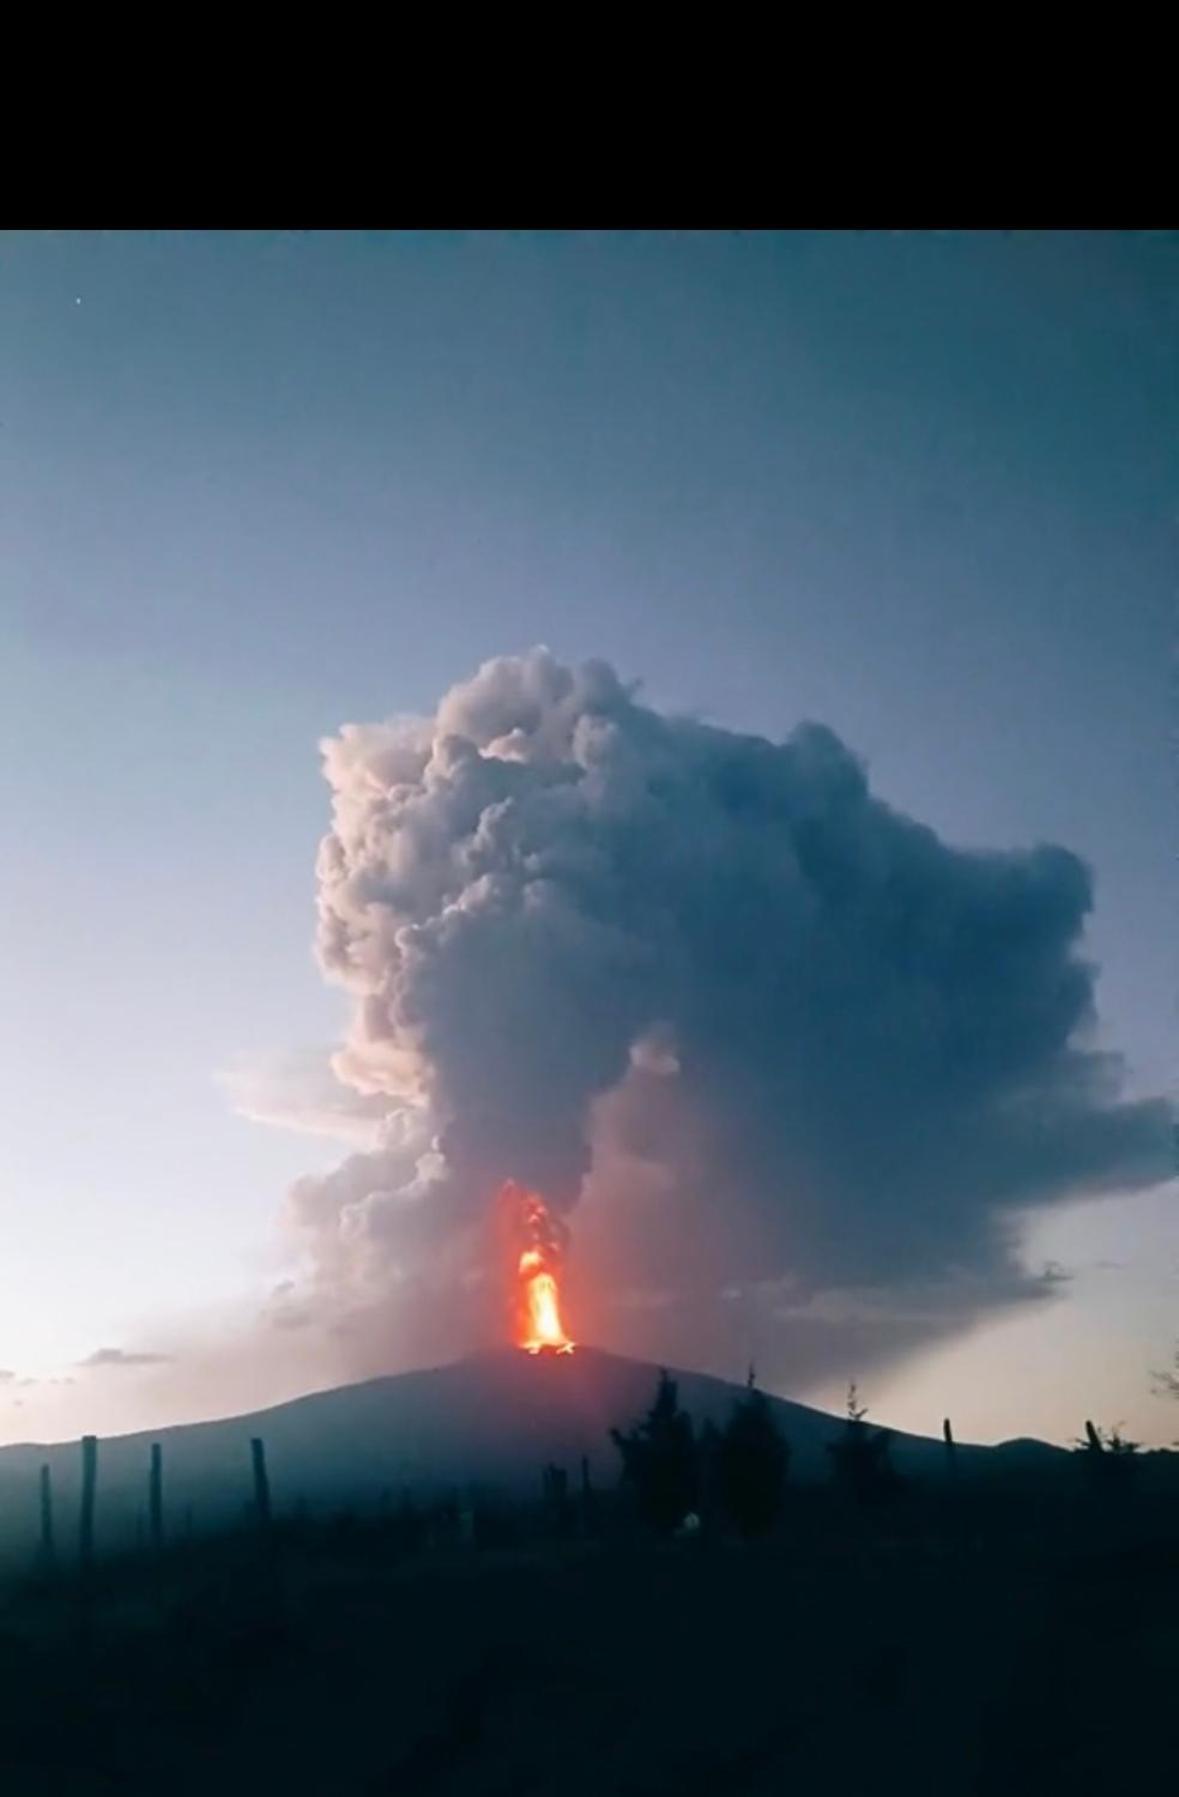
(920, 488)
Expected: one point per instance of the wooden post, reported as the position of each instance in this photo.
(86, 1523)
(269, 1588)
(261, 1484)
(86, 1541)
(48, 1549)
(156, 1499)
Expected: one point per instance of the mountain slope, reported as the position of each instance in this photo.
(492, 1419)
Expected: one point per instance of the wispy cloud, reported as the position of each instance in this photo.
(120, 1357)
(299, 1091)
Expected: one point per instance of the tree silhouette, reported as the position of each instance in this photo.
(861, 1462)
(752, 1463)
(659, 1460)
(1166, 1382)
(856, 1412)
(709, 1497)
(1108, 1457)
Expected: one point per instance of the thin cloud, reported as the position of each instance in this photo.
(299, 1091)
(102, 1357)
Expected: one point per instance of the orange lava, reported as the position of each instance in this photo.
(536, 1243)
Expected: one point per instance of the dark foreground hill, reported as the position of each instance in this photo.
(996, 1632)
(838, 1659)
(492, 1420)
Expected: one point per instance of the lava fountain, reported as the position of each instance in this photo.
(536, 1244)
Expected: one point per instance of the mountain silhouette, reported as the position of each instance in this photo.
(491, 1420)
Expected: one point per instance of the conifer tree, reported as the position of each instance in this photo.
(660, 1462)
(753, 1459)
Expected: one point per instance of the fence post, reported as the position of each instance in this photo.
(156, 1499)
(269, 1587)
(48, 1548)
(261, 1484)
(86, 1537)
(86, 1522)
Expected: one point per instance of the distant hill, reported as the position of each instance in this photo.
(492, 1419)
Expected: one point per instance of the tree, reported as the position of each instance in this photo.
(709, 1497)
(1166, 1384)
(660, 1462)
(752, 1463)
(1108, 1458)
(861, 1462)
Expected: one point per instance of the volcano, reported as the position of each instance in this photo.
(491, 1420)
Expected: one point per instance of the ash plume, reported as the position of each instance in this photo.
(781, 1044)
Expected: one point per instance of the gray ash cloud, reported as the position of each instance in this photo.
(765, 1031)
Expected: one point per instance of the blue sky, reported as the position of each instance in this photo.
(920, 487)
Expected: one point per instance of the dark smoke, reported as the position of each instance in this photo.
(795, 1054)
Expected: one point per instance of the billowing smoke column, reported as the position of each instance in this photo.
(790, 1049)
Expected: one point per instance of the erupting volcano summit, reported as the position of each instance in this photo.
(537, 1247)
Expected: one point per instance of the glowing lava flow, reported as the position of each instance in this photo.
(542, 1307)
(537, 1268)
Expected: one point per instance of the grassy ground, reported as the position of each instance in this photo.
(853, 1662)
